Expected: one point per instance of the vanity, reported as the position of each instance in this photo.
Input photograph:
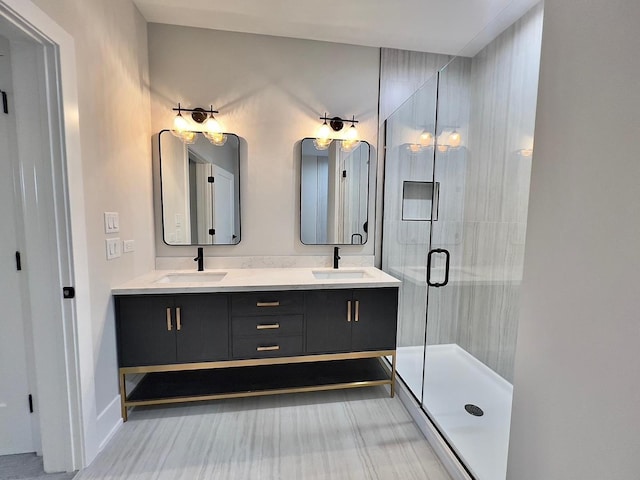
(248, 332)
(214, 334)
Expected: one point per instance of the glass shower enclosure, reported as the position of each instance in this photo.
(457, 169)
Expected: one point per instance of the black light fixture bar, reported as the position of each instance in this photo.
(198, 114)
(198, 109)
(337, 123)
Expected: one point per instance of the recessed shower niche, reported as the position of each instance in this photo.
(420, 200)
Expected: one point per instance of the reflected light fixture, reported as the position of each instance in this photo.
(211, 129)
(448, 139)
(455, 139)
(426, 139)
(323, 139)
(525, 152)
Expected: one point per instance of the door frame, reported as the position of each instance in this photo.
(50, 149)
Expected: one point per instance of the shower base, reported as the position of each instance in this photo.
(453, 379)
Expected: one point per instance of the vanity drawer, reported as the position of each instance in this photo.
(266, 346)
(267, 303)
(267, 325)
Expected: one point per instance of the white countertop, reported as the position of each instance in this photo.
(253, 279)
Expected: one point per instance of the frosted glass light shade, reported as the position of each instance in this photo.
(218, 139)
(322, 143)
(212, 125)
(324, 131)
(188, 137)
(180, 124)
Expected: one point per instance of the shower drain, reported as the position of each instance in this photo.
(474, 410)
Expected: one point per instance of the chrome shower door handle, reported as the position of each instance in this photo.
(446, 267)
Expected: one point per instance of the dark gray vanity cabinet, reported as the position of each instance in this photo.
(267, 324)
(205, 346)
(169, 329)
(356, 320)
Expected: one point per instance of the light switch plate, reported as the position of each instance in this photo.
(111, 222)
(128, 246)
(114, 249)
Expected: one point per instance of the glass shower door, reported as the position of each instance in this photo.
(408, 192)
(473, 277)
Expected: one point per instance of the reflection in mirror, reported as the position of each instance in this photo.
(200, 186)
(334, 193)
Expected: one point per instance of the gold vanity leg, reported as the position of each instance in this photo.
(123, 397)
(393, 374)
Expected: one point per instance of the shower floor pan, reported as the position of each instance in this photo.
(453, 380)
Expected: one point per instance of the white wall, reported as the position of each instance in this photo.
(111, 54)
(577, 390)
(270, 91)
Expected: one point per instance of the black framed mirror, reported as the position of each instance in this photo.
(200, 190)
(334, 193)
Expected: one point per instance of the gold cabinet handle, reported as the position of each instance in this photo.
(267, 304)
(179, 322)
(270, 348)
(270, 326)
(357, 311)
(348, 310)
(169, 318)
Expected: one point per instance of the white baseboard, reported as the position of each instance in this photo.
(448, 459)
(108, 422)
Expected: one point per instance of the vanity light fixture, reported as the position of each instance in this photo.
(323, 138)
(351, 141)
(210, 127)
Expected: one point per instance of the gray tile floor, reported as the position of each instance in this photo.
(348, 434)
(27, 466)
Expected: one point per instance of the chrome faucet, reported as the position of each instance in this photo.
(200, 259)
(336, 257)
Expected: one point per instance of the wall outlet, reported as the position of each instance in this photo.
(128, 246)
(114, 249)
(111, 222)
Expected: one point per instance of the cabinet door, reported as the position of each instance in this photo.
(145, 336)
(374, 326)
(326, 315)
(202, 335)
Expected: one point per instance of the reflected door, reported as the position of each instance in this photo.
(223, 195)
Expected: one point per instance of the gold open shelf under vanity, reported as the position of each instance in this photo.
(193, 382)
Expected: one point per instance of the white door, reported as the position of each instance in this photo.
(15, 422)
(224, 205)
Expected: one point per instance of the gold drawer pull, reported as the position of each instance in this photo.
(169, 318)
(357, 310)
(179, 322)
(267, 304)
(270, 348)
(348, 310)
(270, 326)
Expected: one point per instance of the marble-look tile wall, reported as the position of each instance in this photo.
(490, 100)
(504, 86)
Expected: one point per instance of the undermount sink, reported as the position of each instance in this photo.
(204, 277)
(339, 274)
